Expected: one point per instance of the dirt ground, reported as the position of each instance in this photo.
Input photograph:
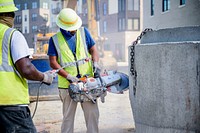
(115, 115)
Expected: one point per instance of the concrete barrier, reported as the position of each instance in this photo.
(167, 94)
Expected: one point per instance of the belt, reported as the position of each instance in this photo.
(10, 107)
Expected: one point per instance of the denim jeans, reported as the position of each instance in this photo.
(16, 119)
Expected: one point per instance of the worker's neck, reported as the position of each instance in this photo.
(73, 32)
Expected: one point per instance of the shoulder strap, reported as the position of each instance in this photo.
(82, 31)
(56, 44)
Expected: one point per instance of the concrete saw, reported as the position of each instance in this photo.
(115, 82)
(90, 88)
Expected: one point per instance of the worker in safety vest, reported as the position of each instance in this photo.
(15, 68)
(73, 45)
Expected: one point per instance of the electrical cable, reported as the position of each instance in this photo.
(38, 91)
(37, 99)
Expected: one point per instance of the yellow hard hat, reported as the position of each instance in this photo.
(68, 20)
(7, 6)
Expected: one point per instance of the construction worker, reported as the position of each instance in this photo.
(15, 68)
(73, 43)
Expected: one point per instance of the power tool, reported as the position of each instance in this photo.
(91, 88)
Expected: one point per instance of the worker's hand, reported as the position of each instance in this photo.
(96, 69)
(71, 78)
(49, 76)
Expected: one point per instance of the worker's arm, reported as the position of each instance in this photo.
(28, 70)
(91, 46)
(54, 64)
(94, 53)
(95, 59)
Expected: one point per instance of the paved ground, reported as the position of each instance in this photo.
(115, 114)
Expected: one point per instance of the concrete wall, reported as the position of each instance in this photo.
(177, 16)
(167, 94)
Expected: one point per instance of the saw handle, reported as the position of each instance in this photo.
(84, 78)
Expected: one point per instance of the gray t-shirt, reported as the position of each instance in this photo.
(19, 46)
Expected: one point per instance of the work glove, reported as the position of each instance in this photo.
(96, 69)
(71, 78)
(48, 77)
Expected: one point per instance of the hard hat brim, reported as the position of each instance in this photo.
(69, 28)
(8, 9)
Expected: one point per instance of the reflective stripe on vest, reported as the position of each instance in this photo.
(82, 31)
(14, 89)
(4, 64)
(66, 57)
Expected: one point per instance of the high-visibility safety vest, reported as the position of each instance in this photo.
(13, 88)
(74, 63)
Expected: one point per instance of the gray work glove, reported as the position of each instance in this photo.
(71, 78)
(48, 77)
(96, 69)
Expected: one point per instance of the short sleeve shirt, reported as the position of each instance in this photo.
(71, 41)
(19, 46)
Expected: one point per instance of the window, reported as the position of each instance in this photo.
(25, 6)
(133, 5)
(121, 25)
(18, 19)
(25, 18)
(34, 17)
(45, 5)
(104, 9)
(34, 5)
(136, 5)
(104, 26)
(130, 5)
(34, 29)
(130, 24)
(166, 5)
(182, 2)
(121, 5)
(25, 30)
(152, 7)
(133, 24)
(18, 6)
(45, 17)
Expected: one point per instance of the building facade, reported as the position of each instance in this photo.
(160, 14)
(36, 16)
(119, 21)
(118, 24)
